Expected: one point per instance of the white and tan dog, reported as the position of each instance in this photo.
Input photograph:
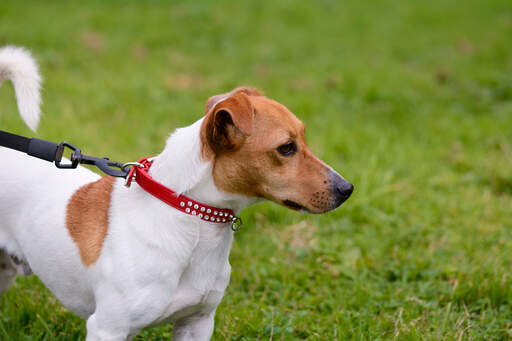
(121, 258)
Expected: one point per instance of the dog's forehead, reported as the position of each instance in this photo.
(270, 112)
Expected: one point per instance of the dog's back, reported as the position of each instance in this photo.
(32, 206)
(30, 188)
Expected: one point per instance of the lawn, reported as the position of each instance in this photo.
(410, 100)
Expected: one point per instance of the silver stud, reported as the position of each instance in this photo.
(200, 215)
(215, 212)
(182, 204)
(202, 209)
(231, 216)
(218, 219)
(187, 210)
(206, 217)
(223, 220)
(212, 219)
(208, 211)
(190, 203)
(196, 206)
(194, 212)
(221, 214)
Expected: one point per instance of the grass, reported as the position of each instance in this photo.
(410, 100)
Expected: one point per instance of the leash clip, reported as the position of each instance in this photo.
(236, 223)
(75, 158)
(131, 173)
(104, 164)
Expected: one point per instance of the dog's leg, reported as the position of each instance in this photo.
(103, 327)
(7, 271)
(197, 327)
(110, 321)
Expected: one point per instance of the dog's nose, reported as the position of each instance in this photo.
(345, 190)
(341, 189)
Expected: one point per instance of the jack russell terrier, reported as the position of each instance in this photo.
(125, 260)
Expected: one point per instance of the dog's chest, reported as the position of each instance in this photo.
(199, 295)
(204, 279)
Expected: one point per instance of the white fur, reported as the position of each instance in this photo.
(157, 265)
(17, 65)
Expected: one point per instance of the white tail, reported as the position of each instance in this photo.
(18, 65)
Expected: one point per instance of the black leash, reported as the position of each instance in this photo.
(51, 151)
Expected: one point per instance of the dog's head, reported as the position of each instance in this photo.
(258, 149)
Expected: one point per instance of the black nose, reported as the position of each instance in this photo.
(341, 189)
(345, 190)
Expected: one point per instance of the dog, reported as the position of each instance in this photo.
(121, 258)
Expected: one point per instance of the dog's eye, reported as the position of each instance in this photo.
(287, 149)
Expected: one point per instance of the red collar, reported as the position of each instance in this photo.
(180, 202)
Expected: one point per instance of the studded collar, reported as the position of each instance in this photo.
(180, 202)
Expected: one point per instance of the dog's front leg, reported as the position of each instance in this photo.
(197, 327)
(110, 321)
(100, 331)
(101, 327)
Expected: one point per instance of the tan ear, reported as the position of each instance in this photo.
(212, 101)
(227, 123)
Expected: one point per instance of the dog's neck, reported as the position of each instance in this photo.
(180, 167)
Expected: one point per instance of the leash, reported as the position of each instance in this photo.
(53, 152)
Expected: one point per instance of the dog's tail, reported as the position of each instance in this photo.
(18, 65)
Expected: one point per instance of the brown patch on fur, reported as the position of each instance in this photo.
(87, 217)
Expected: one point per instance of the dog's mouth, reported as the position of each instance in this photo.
(293, 205)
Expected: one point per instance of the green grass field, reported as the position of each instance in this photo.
(410, 100)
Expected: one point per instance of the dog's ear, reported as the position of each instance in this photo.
(229, 120)
(243, 89)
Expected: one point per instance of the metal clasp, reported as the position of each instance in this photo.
(75, 157)
(104, 164)
(131, 172)
(128, 164)
(236, 223)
